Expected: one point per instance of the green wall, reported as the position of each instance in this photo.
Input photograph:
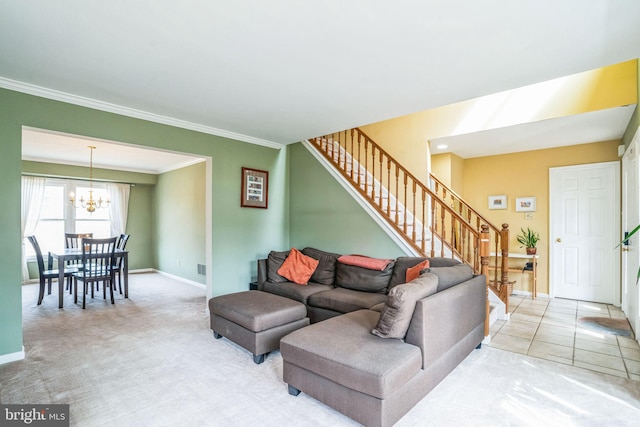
(238, 235)
(325, 216)
(179, 204)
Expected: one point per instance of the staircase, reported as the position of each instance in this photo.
(431, 219)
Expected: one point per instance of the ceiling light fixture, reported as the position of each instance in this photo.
(442, 146)
(90, 205)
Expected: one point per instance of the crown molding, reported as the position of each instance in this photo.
(129, 112)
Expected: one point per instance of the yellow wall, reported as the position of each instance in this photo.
(405, 138)
(522, 175)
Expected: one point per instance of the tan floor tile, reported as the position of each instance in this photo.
(517, 332)
(568, 318)
(628, 342)
(588, 334)
(526, 317)
(563, 340)
(530, 326)
(598, 359)
(633, 366)
(530, 310)
(509, 343)
(601, 369)
(597, 347)
(552, 349)
(592, 306)
(568, 331)
(559, 302)
(550, 357)
(630, 353)
(557, 322)
(562, 310)
(634, 377)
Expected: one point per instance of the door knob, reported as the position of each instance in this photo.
(559, 240)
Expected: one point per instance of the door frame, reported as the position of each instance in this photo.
(629, 186)
(617, 223)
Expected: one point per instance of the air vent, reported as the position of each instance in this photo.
(202, 269)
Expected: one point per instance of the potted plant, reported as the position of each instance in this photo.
(528, 239)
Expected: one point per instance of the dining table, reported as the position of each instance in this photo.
(71, 254)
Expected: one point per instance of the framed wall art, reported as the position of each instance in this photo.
(255, 188)
(498, 202)
(525, 204)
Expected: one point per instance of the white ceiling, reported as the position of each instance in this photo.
(52, 147)
(276, 72)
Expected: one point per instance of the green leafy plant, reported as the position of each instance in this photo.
(625, 241)
(528, 238)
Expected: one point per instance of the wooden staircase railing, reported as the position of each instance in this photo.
(432, 218)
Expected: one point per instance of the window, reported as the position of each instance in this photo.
(58, 216)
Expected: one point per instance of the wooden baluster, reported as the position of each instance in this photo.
(359, 164)
(404, 222)
(397, 194)
(484, 260)
(413, 232)
(389, 187)
(373, 173)
(380, 183)
(504, 245)
(434, 216)
(443, 231)
(352, 160)
(424, 224)
(366, 167)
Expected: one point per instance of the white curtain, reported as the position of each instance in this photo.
(32, 197)
(119, 196)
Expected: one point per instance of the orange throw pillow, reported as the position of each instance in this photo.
(298, 267)
(414, 272)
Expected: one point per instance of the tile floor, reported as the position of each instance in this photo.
(548, 329)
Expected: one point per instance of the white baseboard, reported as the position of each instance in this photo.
(12, 357)
(528, 294)
(181, 279)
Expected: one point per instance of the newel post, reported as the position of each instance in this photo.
(504, 268)
(485, 244)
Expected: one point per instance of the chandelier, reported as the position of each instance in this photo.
(91, 204)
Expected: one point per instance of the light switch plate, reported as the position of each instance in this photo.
(528, 215)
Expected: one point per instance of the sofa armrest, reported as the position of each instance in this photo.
(262, 273)
(440, 321)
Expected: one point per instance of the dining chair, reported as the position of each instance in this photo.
(73, 241)
(122, 244)
(49, 273)
(98, 258)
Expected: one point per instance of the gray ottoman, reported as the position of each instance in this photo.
(256, 320)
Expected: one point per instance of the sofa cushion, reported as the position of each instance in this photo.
(449, 276)
(363, 279)
(365, 262)
(274, 262)
(325, 273)
(298, 267)
(345, 300)
(294, 291)
(364, 362)
(397, 312)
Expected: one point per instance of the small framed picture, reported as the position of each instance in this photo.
(525, 204)
(255, 188)
(498, 202)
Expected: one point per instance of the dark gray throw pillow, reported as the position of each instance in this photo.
(449, 276)
(397, 312)
(325, 273)
(274, 262)
(363, 279)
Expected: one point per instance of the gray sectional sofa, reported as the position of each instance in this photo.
(372, 379)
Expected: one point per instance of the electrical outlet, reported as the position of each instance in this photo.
(177, 263)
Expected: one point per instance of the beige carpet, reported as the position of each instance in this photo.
(151, 360)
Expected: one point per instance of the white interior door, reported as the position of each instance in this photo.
(630, 219)
(584, 228)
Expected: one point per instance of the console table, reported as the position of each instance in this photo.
(534, 270)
